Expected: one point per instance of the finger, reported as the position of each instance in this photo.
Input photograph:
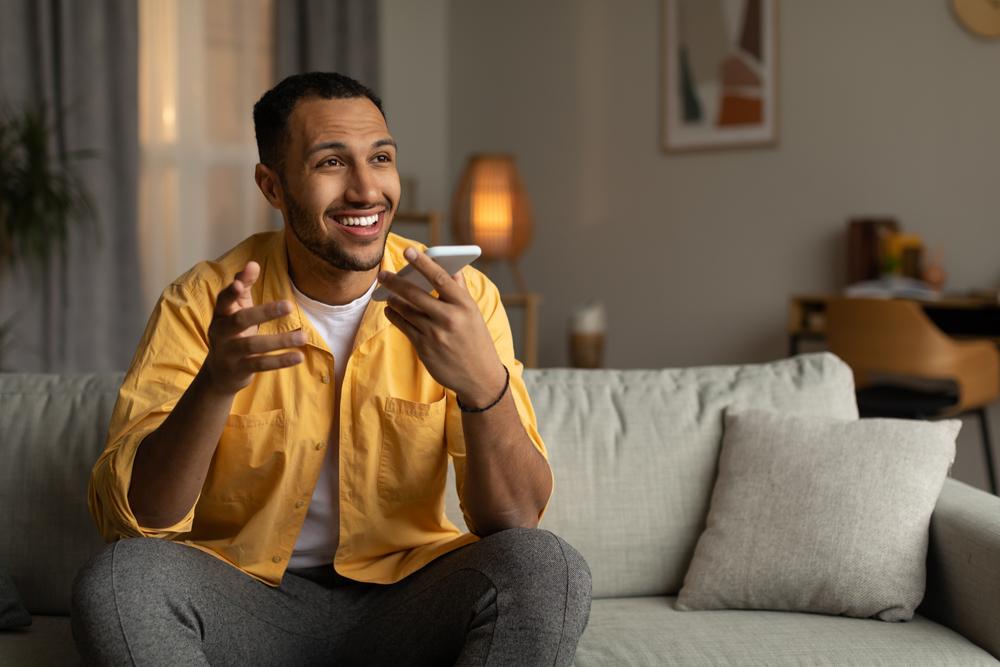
(247, 277)
(417, 296)
(243, 319)
(261, 344)
(403, 325)
(410, 313)
(270, 362)
(226, 303)
(463, 294)
(436, 276)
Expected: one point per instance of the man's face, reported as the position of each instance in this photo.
(340, 181)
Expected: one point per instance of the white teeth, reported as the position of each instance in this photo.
(364, 221)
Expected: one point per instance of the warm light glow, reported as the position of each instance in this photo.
(202, 65)
(158, 71)
(169, 121)
(490, 208)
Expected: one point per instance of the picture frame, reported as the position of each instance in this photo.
(720, 65)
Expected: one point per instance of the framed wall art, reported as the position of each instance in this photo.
(720, 74)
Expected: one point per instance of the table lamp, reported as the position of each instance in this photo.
(491, 210)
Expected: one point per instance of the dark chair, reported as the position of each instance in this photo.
(905, 367)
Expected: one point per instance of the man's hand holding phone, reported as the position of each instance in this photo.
(448, 331)
(236, 351)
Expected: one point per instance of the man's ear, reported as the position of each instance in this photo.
(269, 183)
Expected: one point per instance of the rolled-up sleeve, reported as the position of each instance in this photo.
(169, 356)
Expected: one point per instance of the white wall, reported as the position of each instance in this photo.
(414, 89)
(887, 107)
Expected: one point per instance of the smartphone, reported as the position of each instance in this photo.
(452, 259)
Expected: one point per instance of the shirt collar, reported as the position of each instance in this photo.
(276, 284)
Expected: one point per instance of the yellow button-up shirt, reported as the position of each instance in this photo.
(397, 429)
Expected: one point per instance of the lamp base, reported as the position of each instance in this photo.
(586, 350)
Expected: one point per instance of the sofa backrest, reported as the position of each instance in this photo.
(634, 455)
(52, 429)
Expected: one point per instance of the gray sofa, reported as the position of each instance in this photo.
(634, 454)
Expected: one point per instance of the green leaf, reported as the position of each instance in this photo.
(41, 193)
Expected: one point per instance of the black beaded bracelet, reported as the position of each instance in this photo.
(506, 384)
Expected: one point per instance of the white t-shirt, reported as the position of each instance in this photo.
(338, 325)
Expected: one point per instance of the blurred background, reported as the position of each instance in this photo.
(881, 109)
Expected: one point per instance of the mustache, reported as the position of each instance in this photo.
(337, 210)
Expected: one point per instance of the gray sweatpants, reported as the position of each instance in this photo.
(518, 597)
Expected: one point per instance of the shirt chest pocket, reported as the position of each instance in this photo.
(250, 458)
(413, 458)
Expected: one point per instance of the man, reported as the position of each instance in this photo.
(296, 434)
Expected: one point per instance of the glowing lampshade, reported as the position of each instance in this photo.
(490, 208)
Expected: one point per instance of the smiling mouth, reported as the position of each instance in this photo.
(357, 221)
(360, 226)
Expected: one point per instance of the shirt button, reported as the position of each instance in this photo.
(324, 378)
(319, 446)
(300, 503)
(276, 559)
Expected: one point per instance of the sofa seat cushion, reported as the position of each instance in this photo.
(651, 631)
(47, 642)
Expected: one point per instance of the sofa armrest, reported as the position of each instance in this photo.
(963, 564)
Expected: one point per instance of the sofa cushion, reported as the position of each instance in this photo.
(12, 612)
(53, 427)
(651, 631)
(822, 515)
(634, 455)
(47, 642)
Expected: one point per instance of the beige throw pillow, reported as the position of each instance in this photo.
(820, 515)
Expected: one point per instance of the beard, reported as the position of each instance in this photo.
(312, 237)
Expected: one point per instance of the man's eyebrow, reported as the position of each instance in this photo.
(340, 145)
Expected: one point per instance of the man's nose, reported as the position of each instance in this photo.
(362, 187)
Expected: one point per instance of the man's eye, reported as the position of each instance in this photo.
(330, 162)
(383, 158)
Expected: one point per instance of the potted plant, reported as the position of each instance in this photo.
(41, 196)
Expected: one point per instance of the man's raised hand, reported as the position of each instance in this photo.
(235, 351)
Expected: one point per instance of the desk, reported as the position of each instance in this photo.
(958, 316)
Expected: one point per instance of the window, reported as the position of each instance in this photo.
(202, 65)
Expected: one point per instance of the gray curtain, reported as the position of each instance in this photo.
(79, 57)
(328, 35)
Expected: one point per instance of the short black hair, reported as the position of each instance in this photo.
(271, 112)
